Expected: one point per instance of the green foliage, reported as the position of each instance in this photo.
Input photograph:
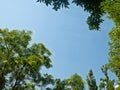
(114, 53)
(20, 63)
(75, 82)
(118, 87)
(57, 4)
(61, 85)
(111, 7)
(106, 83)
(91, 81)
(95, 10)
(91, 6)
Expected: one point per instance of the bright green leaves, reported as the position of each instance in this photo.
(21, 63)
(112, 8)
(13, 42)
(43, 53)
(75, 82)
(15, 37)
(115, 35)
(114, 53)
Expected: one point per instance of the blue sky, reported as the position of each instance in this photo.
(65, 33)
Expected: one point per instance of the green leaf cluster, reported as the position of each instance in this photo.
(20, 63)
(111, 7)
(75, 82)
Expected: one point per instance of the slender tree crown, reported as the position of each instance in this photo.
(91, 81)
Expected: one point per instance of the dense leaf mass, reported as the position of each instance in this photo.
(20, 63)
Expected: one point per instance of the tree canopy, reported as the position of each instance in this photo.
(111, 7)
(20, 63)
(91, 6)
(76, 82)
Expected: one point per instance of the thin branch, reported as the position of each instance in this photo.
(17, 82)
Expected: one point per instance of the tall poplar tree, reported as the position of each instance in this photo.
(91, 81)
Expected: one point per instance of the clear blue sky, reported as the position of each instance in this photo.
(75, 48)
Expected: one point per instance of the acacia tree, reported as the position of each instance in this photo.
(20, 63)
